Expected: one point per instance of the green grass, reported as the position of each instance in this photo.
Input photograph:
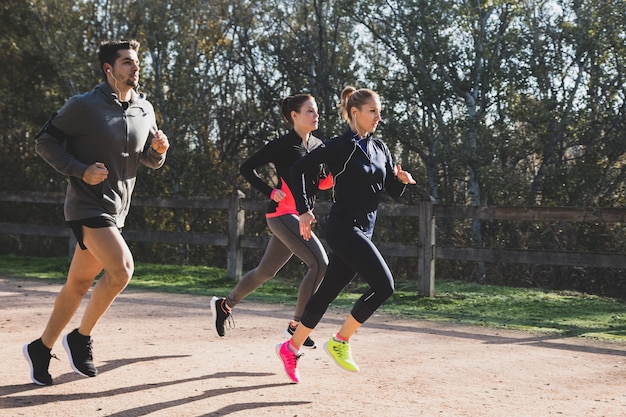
(557, 313)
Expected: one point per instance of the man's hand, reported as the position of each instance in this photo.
(95, 174)
(159, 142)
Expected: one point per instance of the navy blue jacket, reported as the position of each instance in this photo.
(360, 178)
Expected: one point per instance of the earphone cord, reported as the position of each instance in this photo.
(343, 169)
(119, 92)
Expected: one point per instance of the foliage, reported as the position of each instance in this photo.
(490, 102)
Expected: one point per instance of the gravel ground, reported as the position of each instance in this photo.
(158, 356)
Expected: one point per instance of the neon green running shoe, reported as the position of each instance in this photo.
(342, 354)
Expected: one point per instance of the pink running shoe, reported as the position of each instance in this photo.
(290, 360)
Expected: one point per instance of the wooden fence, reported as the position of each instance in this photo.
(426, 250)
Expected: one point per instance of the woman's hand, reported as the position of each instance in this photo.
(277, 195)
(306, 220)
(403, 176)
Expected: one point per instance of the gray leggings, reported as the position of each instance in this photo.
(285, 242)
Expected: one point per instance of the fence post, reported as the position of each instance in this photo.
(426, 258)
(236, 222)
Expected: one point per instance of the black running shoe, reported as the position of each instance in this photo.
(78, 348)
(38, 357)
(308, 343)
(221, 315)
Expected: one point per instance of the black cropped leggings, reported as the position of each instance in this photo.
(352, 253)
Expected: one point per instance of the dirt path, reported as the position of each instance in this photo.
(158, 356)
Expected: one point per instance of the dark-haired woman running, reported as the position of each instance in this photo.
(282, 218)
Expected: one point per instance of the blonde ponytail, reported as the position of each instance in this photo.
(351, 97)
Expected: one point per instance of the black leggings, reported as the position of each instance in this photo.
(352, 253)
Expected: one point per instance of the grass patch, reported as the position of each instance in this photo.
(560, 313)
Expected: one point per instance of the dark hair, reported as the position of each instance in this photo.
(108, 51)
(293, 103)
(351, 97)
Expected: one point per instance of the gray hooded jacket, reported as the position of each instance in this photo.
(96, 127)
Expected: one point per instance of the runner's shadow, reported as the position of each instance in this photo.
(233, 408)
(40, 398)
(71, 376)
(151, 408)
(118, 363)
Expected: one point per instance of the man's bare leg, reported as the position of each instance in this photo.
(83, 270)
(110, 249)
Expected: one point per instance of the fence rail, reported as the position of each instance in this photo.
(426, 250)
